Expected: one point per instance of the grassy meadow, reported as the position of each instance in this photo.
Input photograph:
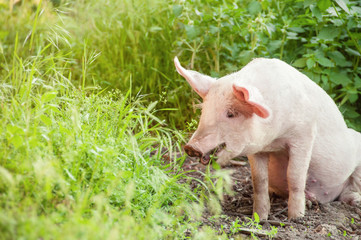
(91, 105)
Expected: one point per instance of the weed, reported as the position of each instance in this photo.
(253, 226)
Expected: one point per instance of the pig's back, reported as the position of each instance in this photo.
(288, 91)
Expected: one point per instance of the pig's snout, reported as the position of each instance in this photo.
(192, 151)
(204, 158)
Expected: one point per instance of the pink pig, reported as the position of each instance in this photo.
(296, 140)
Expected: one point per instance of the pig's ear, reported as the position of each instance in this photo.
(199, 82)
(253, 98)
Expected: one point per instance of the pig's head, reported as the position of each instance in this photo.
(232, 120)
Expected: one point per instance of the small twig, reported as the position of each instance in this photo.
(275, 223)
(344, 228)
(282, 211)
(253, 231)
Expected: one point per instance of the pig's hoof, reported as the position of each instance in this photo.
(298, 216)
(296, 213)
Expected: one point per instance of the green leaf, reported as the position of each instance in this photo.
(352, 97)
(325, 62)
(177, 10)
(300, 63)
(319, 53)
(350, 113)
(49, 108)
(254, 7)
(151, 106)
(323, 4)
(17, 141)
(337, 22)
(307, 3)
(339, 59)
(353, 52)
(48, 96)
(246, 56)
(154, 29)
(328, 33)
(214, 29)
(274, 45)
(340, 78)
(316, 12)
(45, 119)
(352, 23)
(310, 63)
(357, 81)
(256, 217)
(14, 130)
(297, 29)
(215, 165)
(356, 10)
(343, 5)
(192, 31)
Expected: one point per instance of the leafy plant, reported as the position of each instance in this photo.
(321, 38)
(253, 226)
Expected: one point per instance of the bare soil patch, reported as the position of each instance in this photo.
(335, 220)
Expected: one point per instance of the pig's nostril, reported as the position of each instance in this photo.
(192, 152)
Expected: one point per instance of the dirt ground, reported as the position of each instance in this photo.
(333, 220)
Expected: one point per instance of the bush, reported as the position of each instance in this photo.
(321, 38)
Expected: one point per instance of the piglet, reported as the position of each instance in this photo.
(292, 132)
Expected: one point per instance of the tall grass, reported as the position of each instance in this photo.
(84, 163)
(132, 42)
(78, 161)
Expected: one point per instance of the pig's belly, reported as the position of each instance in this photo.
(316, 189)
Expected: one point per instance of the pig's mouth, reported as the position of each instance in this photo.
(213, 153)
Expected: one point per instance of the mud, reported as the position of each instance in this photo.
(335, 220)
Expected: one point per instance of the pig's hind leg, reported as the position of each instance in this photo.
(351, 193)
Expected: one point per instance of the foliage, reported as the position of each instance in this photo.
(321, 38)
(135, 42)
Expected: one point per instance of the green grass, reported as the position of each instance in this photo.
(78, 161)
(85, 163)
(89, 97)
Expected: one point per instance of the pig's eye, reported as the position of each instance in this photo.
(230, 114)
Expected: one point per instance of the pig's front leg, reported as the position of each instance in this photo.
(259, 171)
(300, 151)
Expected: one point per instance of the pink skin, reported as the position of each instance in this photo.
(294, 135)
